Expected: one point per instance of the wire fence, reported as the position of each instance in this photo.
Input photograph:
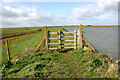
(104, 39)
(22, 48)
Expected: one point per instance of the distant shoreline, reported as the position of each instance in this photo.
(68, 26)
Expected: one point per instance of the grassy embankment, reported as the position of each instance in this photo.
(52, 63)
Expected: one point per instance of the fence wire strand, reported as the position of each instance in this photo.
(104, 39)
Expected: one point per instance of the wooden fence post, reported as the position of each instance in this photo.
(74, 39)
(59, 39)
(8, 55)
(46, 38)
(80, 37)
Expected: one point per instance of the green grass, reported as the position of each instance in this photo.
(26, 63)
(11, 32)
(53, 64)
(26, 45)
(22, 46)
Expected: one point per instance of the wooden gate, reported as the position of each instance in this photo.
(76, 43)
(62, 38)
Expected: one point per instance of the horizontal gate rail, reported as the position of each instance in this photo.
(53, 43)
(53, 32)
(69, 44)
(69, 36)
(53, 48)
(54, 38)
(67, 32)
(68, 47)
(68, 40)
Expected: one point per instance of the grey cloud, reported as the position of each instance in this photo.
(8, 14)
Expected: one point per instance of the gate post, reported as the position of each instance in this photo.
(46, 38)
(59, 39)
(78, 40)
(80, 36)
(74, 39)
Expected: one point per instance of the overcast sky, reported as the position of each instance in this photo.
(16, 13)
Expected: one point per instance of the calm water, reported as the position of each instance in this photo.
(104, 39)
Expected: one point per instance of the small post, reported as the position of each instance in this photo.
(8, 55)
(59, 39)
(80, 37)
(46, 39)
(74, 39)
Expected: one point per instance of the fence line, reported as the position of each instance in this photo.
(103, 38)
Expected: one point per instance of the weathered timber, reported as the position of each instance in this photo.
(69, 44)
(8, 54)
(46, 38)
(54, 38)
(80, 37)
(53, 48)
(52, 43)
(67, 32)
(69, 40)
(40, 44)
(60, 46)
(70, 36)
(68, 47)
(75, 39)
(89, 44)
